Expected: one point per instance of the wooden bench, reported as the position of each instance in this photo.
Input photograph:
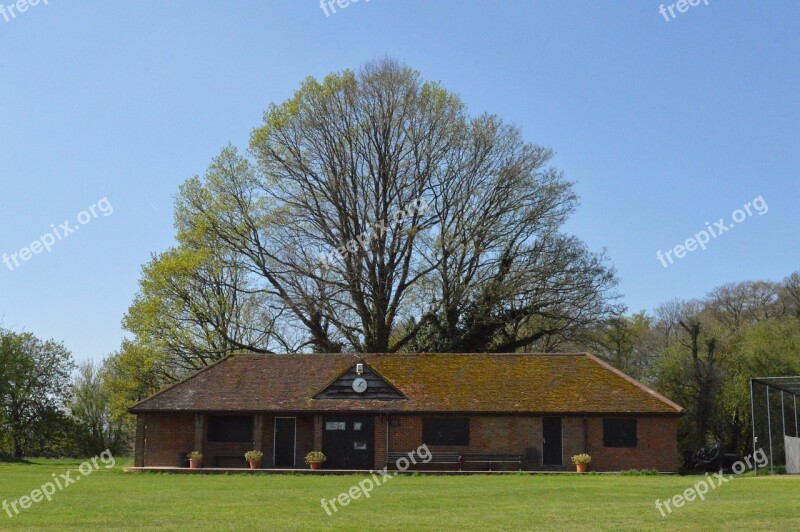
(475, 458)
(436, 458)
(230, 461)
(461, 459)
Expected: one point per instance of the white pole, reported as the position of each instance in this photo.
(783, 427)
(769, 428)
(753, 419)
(783, 415)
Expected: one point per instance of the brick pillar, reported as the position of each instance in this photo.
(199, 431)
(138, 456)
(317, 432)
(381, 456)
(258, 432)
(586, 434)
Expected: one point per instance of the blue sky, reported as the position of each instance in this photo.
(664, 126)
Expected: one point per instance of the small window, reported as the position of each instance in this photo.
(356, 425)
(230, 429)
(619, 432)
(334, 425)
(445, 431)
(360, 445)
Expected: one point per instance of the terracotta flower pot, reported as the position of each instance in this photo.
(255, 464)
(194, 464)
(314, 465)
(582, 468)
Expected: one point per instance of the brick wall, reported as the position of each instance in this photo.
(165, 438)
(305, 439)
(573, 440)
(657, 446)
(380, 442)
(267, 437)
(488, 434)
(656, 449)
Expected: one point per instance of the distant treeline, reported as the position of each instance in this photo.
(699, 353)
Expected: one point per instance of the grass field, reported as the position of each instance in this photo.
(111, 499)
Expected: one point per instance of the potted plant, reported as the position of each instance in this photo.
(582, 462)
(195, 459)
(254, 457)
(315, 458)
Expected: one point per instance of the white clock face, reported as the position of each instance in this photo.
(359, 385)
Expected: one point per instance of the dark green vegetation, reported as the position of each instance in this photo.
(50, 407)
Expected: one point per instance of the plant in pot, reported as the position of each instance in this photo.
(315, 458)
(582, 462)
(195, 459)
(254, 457)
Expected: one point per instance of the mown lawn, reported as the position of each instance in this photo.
(111, 499)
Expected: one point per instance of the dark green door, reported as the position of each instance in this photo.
(348, 442)
(551, 445)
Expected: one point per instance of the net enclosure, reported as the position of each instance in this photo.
(774, 414)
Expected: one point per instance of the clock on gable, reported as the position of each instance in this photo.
(360, 382)
(360, 385)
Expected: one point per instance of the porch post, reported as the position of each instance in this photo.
(317, 432)
(138, 458)
(387, 439)
(585, 433)
(381, 451)
(258, 429)
(199, 426)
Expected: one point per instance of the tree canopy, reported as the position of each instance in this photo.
(34, 386)
(373, 214)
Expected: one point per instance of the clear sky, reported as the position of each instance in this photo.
(664, 126)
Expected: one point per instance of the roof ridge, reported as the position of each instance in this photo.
(186, 379)
(574, 382)
(425, 353)
(636, 383)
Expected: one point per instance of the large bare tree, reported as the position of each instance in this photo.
(374, 214)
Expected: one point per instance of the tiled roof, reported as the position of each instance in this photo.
(463, 383)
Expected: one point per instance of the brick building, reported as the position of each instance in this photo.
(358, 409)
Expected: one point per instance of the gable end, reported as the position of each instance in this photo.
(378, 388)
